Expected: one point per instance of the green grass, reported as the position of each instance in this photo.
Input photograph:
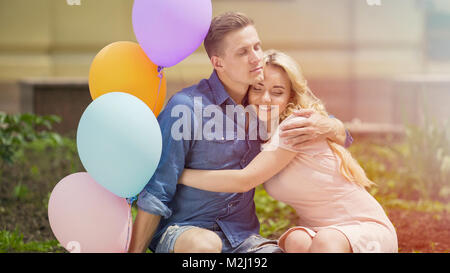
(275, 217)
(12, 241)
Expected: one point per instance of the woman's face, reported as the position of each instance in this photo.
(274, 91)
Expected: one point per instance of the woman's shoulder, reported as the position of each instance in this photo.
(290, 118)
(312, 147)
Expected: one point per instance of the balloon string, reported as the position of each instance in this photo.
(160, 76)
(130, 221)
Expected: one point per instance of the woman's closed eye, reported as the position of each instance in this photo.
(277, 92)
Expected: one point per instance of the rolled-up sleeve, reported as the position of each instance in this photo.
(149, 203)
(161, 188)
(348, 139)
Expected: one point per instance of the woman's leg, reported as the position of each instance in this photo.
(330, 241)
(297, 241)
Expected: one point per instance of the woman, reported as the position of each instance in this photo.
(323, 183)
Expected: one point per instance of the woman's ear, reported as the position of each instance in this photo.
(217, 63)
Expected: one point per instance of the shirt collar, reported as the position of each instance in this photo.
(219, 93)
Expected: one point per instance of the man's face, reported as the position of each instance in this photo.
(242, 56)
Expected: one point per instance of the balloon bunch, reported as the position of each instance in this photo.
(118, 137)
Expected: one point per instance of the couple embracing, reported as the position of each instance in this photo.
(200, 198)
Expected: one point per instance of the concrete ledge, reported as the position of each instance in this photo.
(360, 130)
(72, 82)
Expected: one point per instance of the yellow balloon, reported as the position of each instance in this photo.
(124, 67)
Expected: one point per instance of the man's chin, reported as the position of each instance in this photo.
(258, 78)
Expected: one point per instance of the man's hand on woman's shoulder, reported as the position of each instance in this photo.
(306, 126)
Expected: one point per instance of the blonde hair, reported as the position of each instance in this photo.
(220, 26)
(304, 98)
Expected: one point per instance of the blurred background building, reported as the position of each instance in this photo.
(378, 64)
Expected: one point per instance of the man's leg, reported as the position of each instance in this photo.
(189, 239)
(198, 240)
(258, 244)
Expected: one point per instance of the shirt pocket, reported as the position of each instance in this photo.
(216, 153)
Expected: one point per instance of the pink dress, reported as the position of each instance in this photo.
(323, 198)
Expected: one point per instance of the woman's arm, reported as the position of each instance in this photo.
(265, 165)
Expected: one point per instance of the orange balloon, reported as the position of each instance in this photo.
(124, 67)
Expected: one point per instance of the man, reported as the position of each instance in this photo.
(199, 221)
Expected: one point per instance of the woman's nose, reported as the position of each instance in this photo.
(266, 97)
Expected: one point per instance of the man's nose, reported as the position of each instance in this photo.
(255, 57)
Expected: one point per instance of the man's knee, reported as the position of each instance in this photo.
(209, 242)
(198, 240)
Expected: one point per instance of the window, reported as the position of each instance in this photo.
(437, 29)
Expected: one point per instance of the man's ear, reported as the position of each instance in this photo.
(217, 63)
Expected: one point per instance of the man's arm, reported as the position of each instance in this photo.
(316, 126)
(144, 227)
(154, 198)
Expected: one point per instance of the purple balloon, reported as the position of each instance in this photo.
(171, 30)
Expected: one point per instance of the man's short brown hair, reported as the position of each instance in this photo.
(221, 25)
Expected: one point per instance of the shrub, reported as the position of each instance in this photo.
(16, 130)
(417, 168)
(426, 154)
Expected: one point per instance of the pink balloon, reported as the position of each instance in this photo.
(87, 218)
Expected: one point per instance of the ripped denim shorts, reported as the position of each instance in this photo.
(253, 244)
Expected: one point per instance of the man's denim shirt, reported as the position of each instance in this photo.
(181, 205)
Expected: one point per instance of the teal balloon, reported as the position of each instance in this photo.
(119, 143)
